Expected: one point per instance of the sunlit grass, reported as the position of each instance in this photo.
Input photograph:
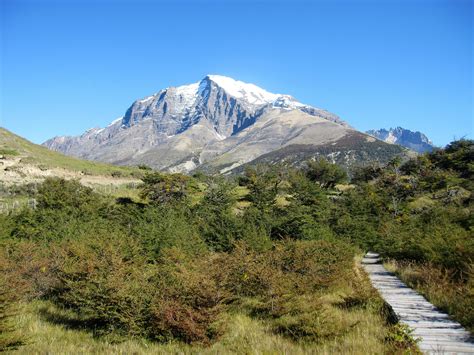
(38, 155)
(455, 297)
(47, 333)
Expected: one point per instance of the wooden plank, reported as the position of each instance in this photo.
(437, 332)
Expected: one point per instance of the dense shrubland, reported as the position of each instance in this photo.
(276, 244)
(420, 214)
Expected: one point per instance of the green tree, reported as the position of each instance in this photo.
(263, 183)
(57, 193)
(326, 174)
(217, 223)
(165, 188)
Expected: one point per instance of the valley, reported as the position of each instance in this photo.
(236, 177)
(269, 257)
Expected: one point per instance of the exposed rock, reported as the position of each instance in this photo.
(217, 121)
(416, 141)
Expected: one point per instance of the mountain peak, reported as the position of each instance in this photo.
(414, 140)
(181, 127)
(241, 90)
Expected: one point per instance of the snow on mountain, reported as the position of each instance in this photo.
(240, 90)
(217, 120)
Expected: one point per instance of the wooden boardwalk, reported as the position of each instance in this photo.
(438, 333)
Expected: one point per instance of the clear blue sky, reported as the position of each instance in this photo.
(71, 65)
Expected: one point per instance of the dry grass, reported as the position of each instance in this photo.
(47, 334)
(454, 296)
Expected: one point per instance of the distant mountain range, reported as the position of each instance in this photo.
(219, 124)
(416, 141)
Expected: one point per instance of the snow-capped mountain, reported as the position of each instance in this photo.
(416, 141)
(218, 122)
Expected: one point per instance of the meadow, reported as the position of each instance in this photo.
(264, 262)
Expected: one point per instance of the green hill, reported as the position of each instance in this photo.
(24, 157)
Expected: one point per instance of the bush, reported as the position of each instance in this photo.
(158, 227)
(217, 223)
(116, 174)
(324, 173)
(263, 183)
(105, 281)
(11, 293)
(300, 267)
(284, 285)
(314, 265)
(57, 193)
(307, 215)
(29, 266)
(401, 338)
(307, 318)
(144, 167)
(161, 188)
(431, 236)
(189, 303)
(110, 283)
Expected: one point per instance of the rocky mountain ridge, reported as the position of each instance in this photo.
(218, 122)
(413, 140)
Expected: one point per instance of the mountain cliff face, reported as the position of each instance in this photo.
(416, 141)
(218, 123)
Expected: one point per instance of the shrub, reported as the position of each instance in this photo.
(216, 221)
(246, 272)
(104, 280)
(189, 303)
(307, 215)
(324, 173)
(401, 338)
(11, 293)
(158, 227)
(9, 312)
(300, 267)
(284, 285)
(263, 183)
(165, 188)
(57, 193)
(307, 318)
(314, 265)
(116, 174)
(110, 283)
(29, 266)
(144, 167)
(8, 152)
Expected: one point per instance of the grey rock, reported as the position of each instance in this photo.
(215, 122)
(416, 141)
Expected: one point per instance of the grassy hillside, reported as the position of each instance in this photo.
(15, 148)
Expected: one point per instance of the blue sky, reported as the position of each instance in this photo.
(67, 66)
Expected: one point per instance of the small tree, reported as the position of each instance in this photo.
(366, 173)
(263, 183)
(217, 223)
(326, 174)
(165, 188)
(144, 167)
(57, 193)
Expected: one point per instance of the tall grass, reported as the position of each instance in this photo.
(47, 332)
(454, 295)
